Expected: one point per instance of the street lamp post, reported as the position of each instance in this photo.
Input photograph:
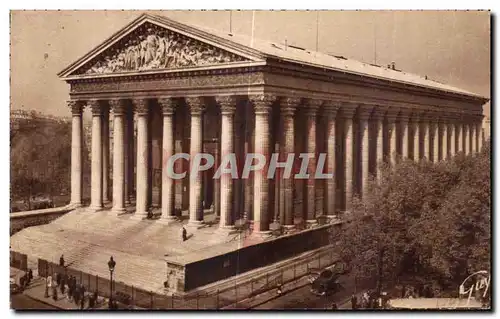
(111, 266)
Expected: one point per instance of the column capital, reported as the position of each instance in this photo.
(95, 107)
(196, 105)
(331, 108)
(167, 105)
(76, 106)
(379, 112)
(311, 106)
(404, 115)
(416, 116)
(227, 104)
(365, 111)
(141, 106)
(118, 106)
(262, 102)
(392, 114)
(289, 102)
(348, 110)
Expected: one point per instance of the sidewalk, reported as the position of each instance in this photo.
(37, 291)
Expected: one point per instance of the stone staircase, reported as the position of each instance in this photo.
(87, 240)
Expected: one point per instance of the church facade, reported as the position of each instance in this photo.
(158, 88)
(192, 91)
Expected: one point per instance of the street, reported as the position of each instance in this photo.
(23, 302)
(302, 298)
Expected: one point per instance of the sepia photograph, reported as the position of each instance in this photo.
(250, 160)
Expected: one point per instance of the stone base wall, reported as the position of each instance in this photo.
(22, 220)
(183, 278)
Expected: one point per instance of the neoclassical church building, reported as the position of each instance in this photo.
(169, 88)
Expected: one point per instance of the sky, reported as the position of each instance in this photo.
(452, 47)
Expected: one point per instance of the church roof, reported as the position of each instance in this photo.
(329, 61)
(253, 49)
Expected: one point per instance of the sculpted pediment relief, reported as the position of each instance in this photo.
(151, 47)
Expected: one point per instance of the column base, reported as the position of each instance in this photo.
(95, 208)
(195, 224)
(118, 211)
(262, 235)
(75, 205)
(167, 220)
(139, 216)
(226, 230)
(311, 223)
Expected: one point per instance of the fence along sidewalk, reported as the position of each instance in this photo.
(237, 293)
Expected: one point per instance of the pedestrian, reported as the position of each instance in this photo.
(76, 295)
(354, 302)
(365, 300)
(91, 301)
(70, 293)
(82, 302)
(49, 281)
(184, 234)
(58, 279)
(62, 284)
(61, 261)
(46, 295)
(54, 293)
(65, 278)
(30, 275)
(22, 281)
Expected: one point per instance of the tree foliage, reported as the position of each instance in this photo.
(40, 158)
(422, 223)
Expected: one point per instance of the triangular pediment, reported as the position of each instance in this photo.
(154, 45)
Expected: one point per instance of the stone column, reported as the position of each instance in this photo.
(228, 107)
(416, 136)
(128, 144)
(311, 111)
(76, 152)
(262, 107)
(119, 111)
(466, 138)
(364, 112)
(105, 153)
(479, 129)
(460, 136)
(167, 183)
(378, 116)
(435, 140)
(288, 107)
(473, 136)
(196, 107)
(142, 207)
(444, 139)
(391, 135)
(404, 118)
(453, 139)
(96, 157)
(330, 109)
(425, 126)
(348, 111)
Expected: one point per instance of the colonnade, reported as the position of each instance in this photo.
(365, 134)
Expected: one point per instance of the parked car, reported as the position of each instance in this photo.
(326, 281)
(14, 288)
(41, 202)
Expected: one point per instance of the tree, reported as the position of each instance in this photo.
(40, 158)
(421, 223)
